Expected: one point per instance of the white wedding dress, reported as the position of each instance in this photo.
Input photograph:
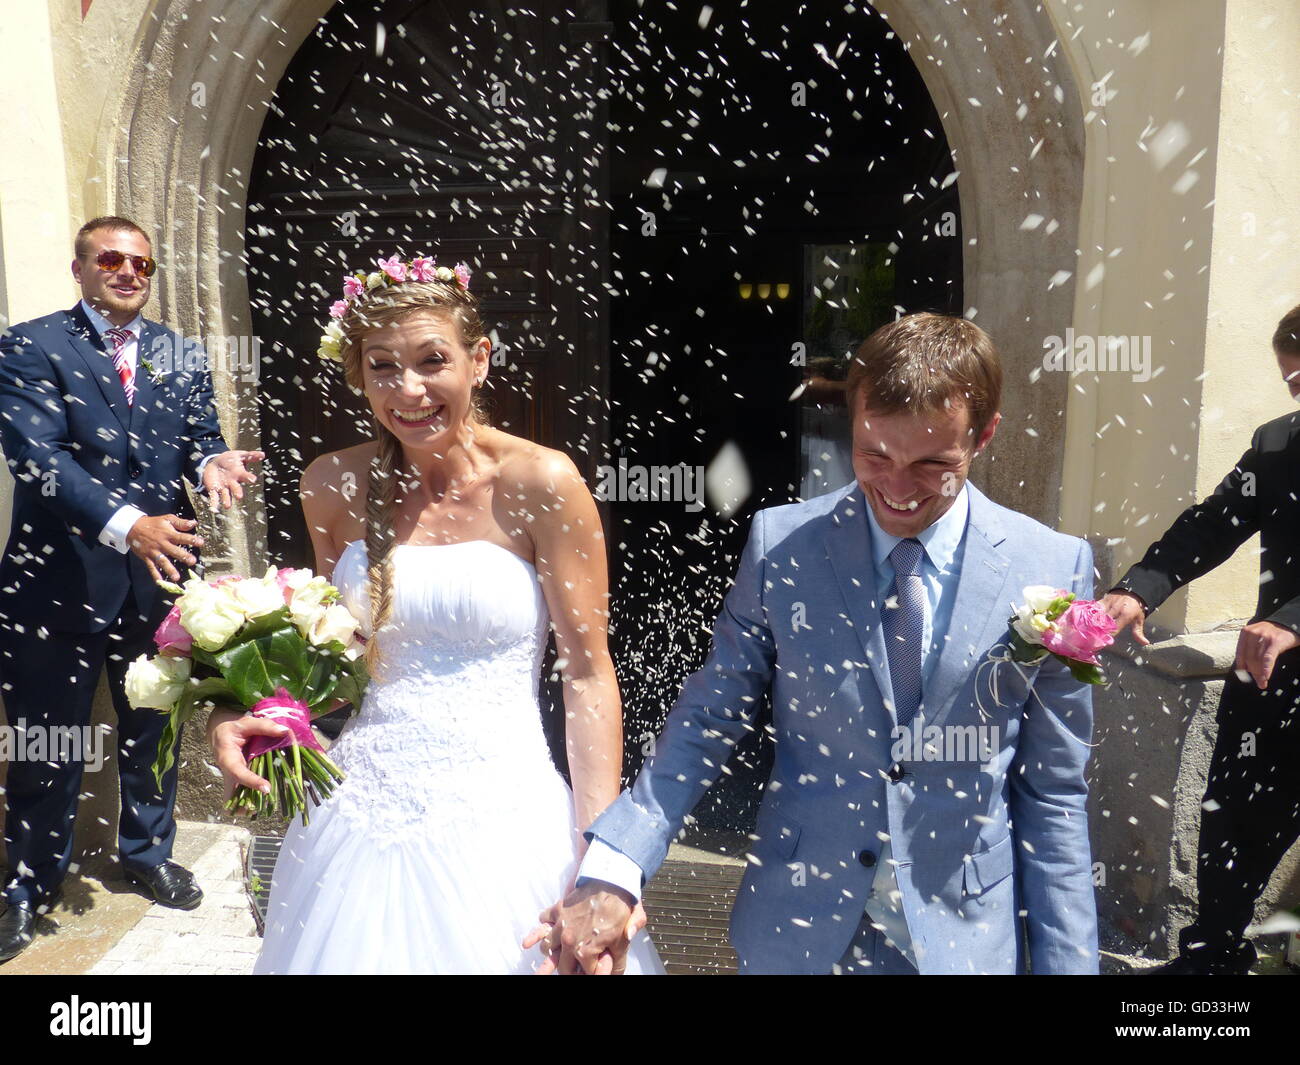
(453, 828)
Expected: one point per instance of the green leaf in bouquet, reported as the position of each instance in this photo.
(1085, 672)
(255, 668)
(165, 758)
(264, 626)
(351, 683)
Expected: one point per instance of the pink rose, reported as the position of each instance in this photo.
(462, 275)
(393, 267)
(423, 269)
(338, 308)
(1085, 628)
(172, 638)
(353, 286)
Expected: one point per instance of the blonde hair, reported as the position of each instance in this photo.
(381, 308)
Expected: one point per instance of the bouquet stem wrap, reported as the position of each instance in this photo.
(295, 764)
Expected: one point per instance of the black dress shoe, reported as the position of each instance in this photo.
(1193, 964)
(18, 926)
(169, 884)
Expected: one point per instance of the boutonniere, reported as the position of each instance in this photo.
(155, 375)
(1053, 622)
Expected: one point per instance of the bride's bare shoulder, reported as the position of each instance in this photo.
(333, 488)
(534, 471)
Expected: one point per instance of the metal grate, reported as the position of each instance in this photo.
(688, 903)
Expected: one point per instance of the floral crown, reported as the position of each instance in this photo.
(392, 271)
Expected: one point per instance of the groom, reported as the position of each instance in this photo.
(98, 439)
(915, 812)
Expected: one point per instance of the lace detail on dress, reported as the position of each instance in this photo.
(451, 727)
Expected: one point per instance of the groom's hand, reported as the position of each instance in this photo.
(591, 930)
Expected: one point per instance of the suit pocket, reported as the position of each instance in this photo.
(987, 868)
(778, 834)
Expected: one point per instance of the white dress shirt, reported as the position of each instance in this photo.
(119, 526)
(940, 571)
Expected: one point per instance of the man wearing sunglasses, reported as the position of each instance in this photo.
(99, 443)
(1250, 815)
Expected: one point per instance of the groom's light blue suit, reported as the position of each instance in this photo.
(975, 842)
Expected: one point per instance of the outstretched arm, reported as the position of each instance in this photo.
(716, 708)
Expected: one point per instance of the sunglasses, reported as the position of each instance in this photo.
(111, 262)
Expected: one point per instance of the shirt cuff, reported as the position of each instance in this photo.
(603, 862)
(117, 530)
(198, 471)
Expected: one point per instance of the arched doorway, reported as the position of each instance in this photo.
(674, 225)
(780, 186)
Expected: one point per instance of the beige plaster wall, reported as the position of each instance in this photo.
(1186, 236)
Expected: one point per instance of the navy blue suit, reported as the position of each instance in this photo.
(70, 605)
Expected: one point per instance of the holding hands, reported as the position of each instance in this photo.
(588, 932)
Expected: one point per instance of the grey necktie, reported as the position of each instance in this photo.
(903, 626)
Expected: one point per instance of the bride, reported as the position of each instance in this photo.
(458, 546)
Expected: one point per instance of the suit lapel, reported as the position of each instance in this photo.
(144, 386)
(87, 344)
(980, 611)
(848, 543)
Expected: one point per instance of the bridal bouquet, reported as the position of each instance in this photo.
(280, 645)
(1054, 622)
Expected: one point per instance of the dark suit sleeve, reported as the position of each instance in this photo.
(37, 442)
(1204, 536)
(203, 436)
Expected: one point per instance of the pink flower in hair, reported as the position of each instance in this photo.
(462, 275)
(422, 269)
(353, 286)
(393, 267)
(338, 308)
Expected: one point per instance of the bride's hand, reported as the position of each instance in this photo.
(228, 739)
(548, 934)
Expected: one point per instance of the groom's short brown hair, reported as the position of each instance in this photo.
(927, 363)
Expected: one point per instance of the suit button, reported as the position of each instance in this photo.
(867, 858)
(895, 773)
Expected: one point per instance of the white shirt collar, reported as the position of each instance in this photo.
(102, 324)
(940, 540)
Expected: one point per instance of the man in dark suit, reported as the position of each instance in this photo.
(1251, 812)
(102, 413)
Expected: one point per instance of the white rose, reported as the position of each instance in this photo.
(210, 615)
(308, 601)
(330, 349)
(1031, 624)
(374, 280)
(156, 683)
(1038, 597)
(335, 624)
(257, 598)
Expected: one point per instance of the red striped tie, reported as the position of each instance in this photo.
(120, 339)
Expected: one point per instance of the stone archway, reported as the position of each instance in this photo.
(1017, 136)
(177, 155)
